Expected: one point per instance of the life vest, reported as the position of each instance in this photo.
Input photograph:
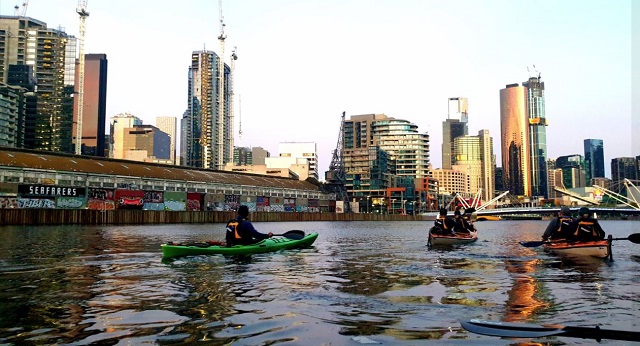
(564, 226)
(441, 222)
(232, 235)
(586, 229)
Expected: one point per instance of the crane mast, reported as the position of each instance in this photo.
(335, 176)
(234, 57)
(83, 14)
(220, 122)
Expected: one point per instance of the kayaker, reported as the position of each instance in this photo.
(588, 228)
(444, 224)
(240, 231)
(462, 225)
(561, 227)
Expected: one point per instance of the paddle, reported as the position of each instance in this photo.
(634, 238)
(294, 234)
(526, 330)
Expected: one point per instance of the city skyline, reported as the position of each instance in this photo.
(403, 59)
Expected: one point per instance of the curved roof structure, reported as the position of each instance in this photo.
(32, 159)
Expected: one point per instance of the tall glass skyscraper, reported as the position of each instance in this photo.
(514, 128)
(537, 135)
(594, 158)
(455, 126)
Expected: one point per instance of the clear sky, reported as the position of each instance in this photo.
(303, 62)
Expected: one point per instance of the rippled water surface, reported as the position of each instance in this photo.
(361, 282)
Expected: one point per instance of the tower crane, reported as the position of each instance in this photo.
(21, 12)
(335, 176)
(83, 14)
(234, 57)
(220, 122)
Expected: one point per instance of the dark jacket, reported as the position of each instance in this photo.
(561, 227)
(588, 229)
(444, 224)
(241, 231)
(462, 225)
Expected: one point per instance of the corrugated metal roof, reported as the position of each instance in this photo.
(22, 158)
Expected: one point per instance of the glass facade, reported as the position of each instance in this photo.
(594, 158)
(514, 128)
(537, 136)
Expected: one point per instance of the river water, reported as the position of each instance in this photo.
(361, 282)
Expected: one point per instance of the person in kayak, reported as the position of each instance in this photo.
(462, 224)
(588, 228)
(561, 227)
(240, 231)
(444, 224)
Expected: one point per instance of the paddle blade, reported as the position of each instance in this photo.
(532, 243)
(294, 234)
(509, 330)
(634, 238)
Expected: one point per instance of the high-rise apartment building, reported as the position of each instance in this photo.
(514, 129)
(242, 156)
(537, 135)
(168, 126)
(455, 126)
(594, 158)
(51, 54)
(11, 116)
(94, 111)
(474, 156)
(119, 123)
(208, 121)
(623, 168)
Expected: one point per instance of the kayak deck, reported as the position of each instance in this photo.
(171, 250)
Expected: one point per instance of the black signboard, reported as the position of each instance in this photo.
(50, 191)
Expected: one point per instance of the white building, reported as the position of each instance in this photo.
(119, 123)
(292, 155)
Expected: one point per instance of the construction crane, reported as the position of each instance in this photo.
(335, 177)
(83, 14)
(234, 57)
(220, 122)
(21, 11)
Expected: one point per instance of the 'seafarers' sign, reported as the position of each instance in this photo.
(50, 191)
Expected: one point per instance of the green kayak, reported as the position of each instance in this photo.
(171, 250)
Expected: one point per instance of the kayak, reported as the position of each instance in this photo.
(171, 250)
(448, 240)
(598, 248)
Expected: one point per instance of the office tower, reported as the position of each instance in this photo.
(119, 124)
(145, 143)
(168, 126)
(11, 116)
(455, 126)
(594, 158)
(514, 128)
(242, 156)
(573, 170)
(209, 132)
(623, 168)
(473, 155)
(488, 159)
(300, 150)
(258, 155)
(537, 135)
(51, 54)
(94, 110)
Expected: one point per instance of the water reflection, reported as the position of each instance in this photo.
(108, 285)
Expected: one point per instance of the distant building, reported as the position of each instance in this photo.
(242, 156)
(573, 170)
(474, 156)
(537, 135)
(258, 155)
(11, 116)
(168, 126)
(514, 128)
(119, 123)
(207, 131)
(594, 158)
(94, 110)
(623, 168)
(51, 53)
(451, 182)
(454, 126)
(301, 150)
(146, 143)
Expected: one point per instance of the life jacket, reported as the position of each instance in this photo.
(233, 236)
(586, 229)
(441, 223)
(564, 227)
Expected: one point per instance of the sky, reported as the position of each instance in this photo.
(301, 63)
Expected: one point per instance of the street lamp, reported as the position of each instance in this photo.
(368, 197)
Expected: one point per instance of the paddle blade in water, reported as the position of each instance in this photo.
(294, 234)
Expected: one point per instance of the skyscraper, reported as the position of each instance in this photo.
(119, 124)
(209, 132)
(454, 126)
(514, 128)
(94, 111)
(537, 135)
(168, 126)
(594, 158)
(51, 53)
